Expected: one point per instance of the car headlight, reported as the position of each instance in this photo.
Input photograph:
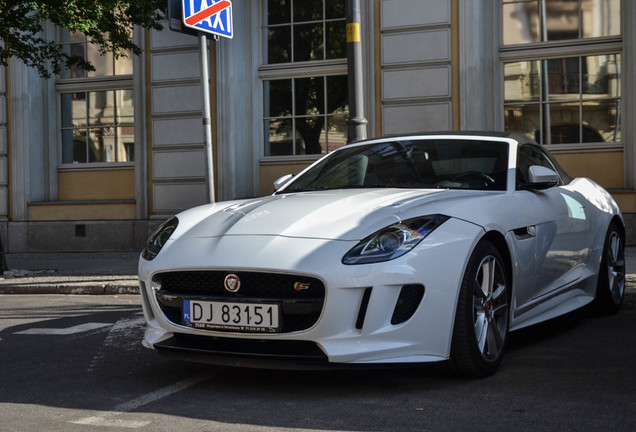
(159, 238)
(393, 241)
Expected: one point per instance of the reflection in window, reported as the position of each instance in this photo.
(528, 21)
(97, 126)
(527, 156)
(564, 100)
(304, 30)
(304, 107)
(106, 65)
(305, 115)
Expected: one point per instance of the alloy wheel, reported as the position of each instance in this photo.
(616, 267)
(490, 308)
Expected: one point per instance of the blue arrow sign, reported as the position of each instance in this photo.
(210, 16)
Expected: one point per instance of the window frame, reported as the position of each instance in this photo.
(92, 84)
(559, 49)
(291, 70)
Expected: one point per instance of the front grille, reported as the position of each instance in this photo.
(301, 298)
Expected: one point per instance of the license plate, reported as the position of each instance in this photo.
(231, 316)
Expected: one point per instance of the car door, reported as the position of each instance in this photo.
(562, 227)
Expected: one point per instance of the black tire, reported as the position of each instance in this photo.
(610, 289)
(482, 319)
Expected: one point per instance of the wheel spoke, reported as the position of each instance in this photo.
(488, 278)
(481, 329)
(498, 292)
(499, 309)
(617, 284)
(614, 250)
(616, 268)
(478, 292)
(495, 340)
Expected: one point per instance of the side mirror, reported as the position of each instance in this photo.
(282, 181)
(541, 177)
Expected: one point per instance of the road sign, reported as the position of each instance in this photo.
(210, 16)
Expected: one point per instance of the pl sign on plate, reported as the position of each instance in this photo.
(211, 16)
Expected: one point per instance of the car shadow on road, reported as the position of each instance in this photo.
(539, 333)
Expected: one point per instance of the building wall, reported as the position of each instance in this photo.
(428, 66)
(415, 66)
(604, 167)
(111, 197)
(176, 156)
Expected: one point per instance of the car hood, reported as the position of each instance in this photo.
(334, 214)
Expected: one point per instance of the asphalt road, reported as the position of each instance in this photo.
(75, 363)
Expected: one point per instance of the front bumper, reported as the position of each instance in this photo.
(356, 323)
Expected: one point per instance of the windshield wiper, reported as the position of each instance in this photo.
(306, 189)
(326, 188)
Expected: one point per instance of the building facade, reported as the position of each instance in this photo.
(94, 161)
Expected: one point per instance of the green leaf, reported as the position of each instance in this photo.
(107, 23)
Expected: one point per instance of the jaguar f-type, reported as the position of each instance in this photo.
(397, 250)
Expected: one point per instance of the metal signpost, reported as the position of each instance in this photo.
(205, 17)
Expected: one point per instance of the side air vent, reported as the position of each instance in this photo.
(407, 303)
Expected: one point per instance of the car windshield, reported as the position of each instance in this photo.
(422, 163)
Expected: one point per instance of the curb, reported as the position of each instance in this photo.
(630, 290)
(71, 284)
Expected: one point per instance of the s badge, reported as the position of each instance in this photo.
(299, 286)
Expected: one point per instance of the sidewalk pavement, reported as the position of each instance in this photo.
(71, 273)
(115, 273)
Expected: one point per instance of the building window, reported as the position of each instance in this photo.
(97, 126)
(304, 76)
(557, 88)
(96, 107)
(564, 100)
(528, 21)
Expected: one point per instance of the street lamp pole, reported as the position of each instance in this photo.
(357, 123)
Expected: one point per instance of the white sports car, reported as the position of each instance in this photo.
(410, 249)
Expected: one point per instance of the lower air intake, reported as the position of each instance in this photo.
(410, 298)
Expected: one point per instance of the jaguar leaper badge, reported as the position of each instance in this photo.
(232, 283)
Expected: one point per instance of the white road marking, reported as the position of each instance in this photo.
(64, 331)
(100, 421)
(107, 418)
(162, 393)
(124, 336)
